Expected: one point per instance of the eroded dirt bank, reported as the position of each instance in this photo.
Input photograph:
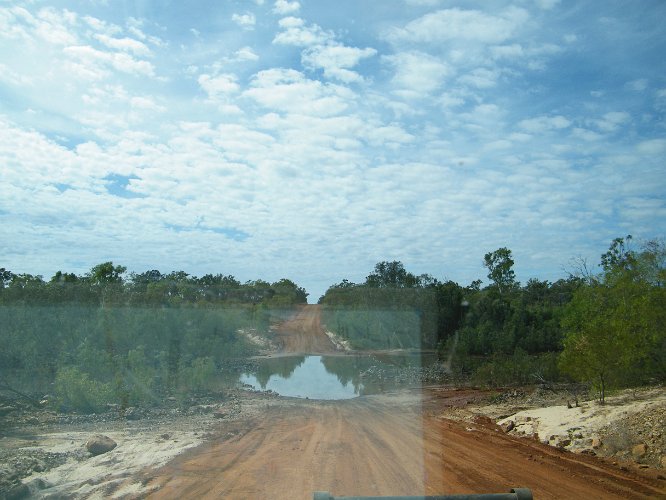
(396, 444)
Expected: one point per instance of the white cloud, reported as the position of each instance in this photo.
(428, 3)
(216, 86)
(284, 7)
(246, 54)
(246, 21)
(290, 91)
(48, 24)
(12, 77)
(146, 103)
(638, 85)
(585, 134)
(480, 78)
(547, 4)
(291, 22)
(295, 32)
(544, 123)
(462, 25)
(134, 26)
(652, 147)
(336, 60)
(507, 51)
(517, 51)
(13, 23)
(611, 121)
(102, 26)
(391, 135)
(450, 100)
(97, 59)
(126, 44)
(56, 26)
(416, 72)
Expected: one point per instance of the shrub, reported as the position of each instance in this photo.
(74, 390)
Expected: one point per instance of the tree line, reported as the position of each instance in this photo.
(109, 338)
(606, 328)
(109, 283)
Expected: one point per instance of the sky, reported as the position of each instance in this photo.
(312, 139)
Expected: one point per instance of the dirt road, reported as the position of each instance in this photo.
(394, 444)
(303, 333)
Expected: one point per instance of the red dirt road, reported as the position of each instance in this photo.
(303, 333)
(394, 444)
(385, 445)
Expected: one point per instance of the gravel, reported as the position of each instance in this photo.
(645, 427)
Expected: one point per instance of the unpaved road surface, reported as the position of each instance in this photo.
(303, 333)
(403, 443)
(398, 444)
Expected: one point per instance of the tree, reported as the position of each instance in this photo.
(61, 278)
(106, 273)
(614, 325)
(152, 276)
(5, 277)
(499, 264)
(619, 257)
(391, 275)
(287, 292)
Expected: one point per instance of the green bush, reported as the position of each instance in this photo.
(199, 376)
(74, 390)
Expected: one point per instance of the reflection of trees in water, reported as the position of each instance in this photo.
(283, 367)
(367, 374)
(347, 369)
(377, 373)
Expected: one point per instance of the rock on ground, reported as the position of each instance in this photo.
(99, 444)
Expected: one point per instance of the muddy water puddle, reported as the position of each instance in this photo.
(335, 377)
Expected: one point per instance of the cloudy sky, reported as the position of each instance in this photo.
(311, 139)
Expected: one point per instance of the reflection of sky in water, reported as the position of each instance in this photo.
(310, 379)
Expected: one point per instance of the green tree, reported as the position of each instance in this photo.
(619, 257)
(106, 273)
(614, 325)
(391, 275)
(5, 277)
(499, 264)
(287, 293)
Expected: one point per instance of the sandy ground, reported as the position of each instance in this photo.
(576, 429)
(139, 445)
